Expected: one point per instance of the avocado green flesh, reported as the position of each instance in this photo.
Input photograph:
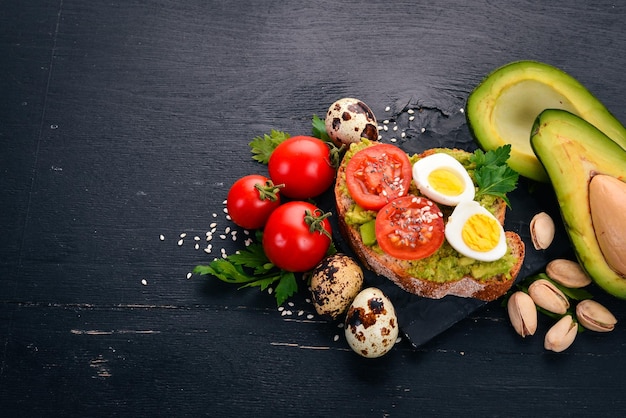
(572, 152)
(502, 108)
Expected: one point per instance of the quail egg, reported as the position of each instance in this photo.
(443, 179)
(474, 232)
(371, 325)
(335, 282)
(348, 120)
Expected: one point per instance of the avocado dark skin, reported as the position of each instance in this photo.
(573, 151)
(502, 108)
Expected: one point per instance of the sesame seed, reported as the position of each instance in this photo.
(229, 218)
(144, 282)
(183, 235)
(307, 300)
(248, 242)
(225, 210)
(395, 127)
(387, 109)
(196, 238)
(281, 308)
(197, 246)
(336, 337)
(270, 290)
(180, 242)
(222, 236)
(208, 249)
(423, 129)
(189, 275)
(300, 313)
(213, 225)
(393, 139)
(385, 128)
(227, 230)
(410, 111)
(310, 316)
(411, 117)
(462, 110)
(214, 215)
(162, 237)
(403, 134)
(224, 202)
(290, 304)
(386, 121)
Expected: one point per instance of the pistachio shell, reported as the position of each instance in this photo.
(561, 335)
(542, 230)
(568, 273)
(522, 313)
(594, 316)
(546, 295)
(607, 199)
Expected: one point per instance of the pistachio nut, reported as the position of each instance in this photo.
(522, 313)
(561, 335)
(568, 273)
(542, 230)
(594, 316)
(546, 295)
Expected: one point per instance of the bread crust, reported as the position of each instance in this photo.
(396, 270)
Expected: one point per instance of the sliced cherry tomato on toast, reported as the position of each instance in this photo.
(377, 175)
(410, 228)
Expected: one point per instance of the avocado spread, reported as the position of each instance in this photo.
(446, 264)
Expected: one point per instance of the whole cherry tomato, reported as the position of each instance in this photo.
(297, 236)
(304, 165)
(251, 200)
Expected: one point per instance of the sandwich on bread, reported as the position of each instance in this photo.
(446, 271)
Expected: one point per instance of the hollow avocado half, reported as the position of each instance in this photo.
(502, 108)
(573, 151)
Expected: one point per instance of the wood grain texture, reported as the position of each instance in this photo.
(122, 121)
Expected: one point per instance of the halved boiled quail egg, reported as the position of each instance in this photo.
(474, 232)
(442, 178)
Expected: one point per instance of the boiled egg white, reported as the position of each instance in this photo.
(442, 178)
(474, 232)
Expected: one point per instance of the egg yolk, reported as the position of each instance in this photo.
(481, 232)
(446, 182)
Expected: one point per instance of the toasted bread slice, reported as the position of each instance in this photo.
(398, 270)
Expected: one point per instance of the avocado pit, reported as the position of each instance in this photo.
(607, 200)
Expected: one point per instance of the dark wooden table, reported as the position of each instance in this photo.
(123, 121)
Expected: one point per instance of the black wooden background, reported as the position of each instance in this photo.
(121, 121)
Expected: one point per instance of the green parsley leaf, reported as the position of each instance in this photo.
(319, 129)
(250, 267)
(263, 146)
(492, 173)
(286, 287)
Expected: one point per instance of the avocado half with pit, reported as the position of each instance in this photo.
(588, 172)
(502, 108)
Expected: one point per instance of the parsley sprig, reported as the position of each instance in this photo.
(250, 267)
(492, 173)
(263, 146)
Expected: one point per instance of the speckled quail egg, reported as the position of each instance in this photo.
(335, 282)
(443, 179)
(371, 325)
(348, 120)
(474, 232)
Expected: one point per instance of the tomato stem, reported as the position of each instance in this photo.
(268, 191)
(315, 221)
